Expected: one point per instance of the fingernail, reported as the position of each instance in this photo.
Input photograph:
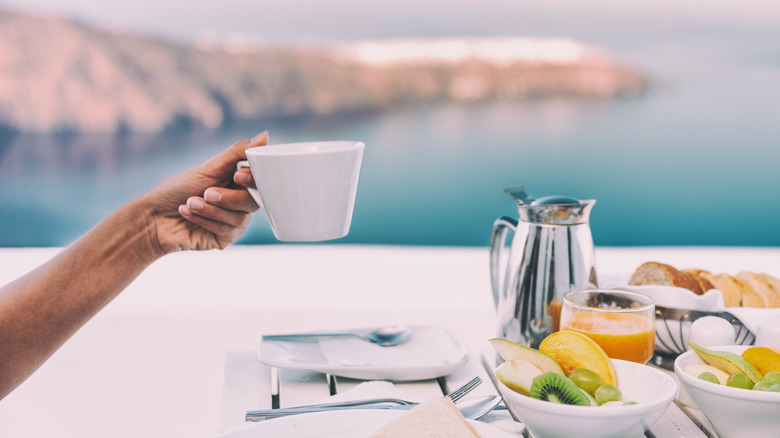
(184, 211)
(212, 196)
(259, 137)
(195, 204)
(242, 178)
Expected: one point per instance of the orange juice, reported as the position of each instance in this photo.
(554, 310)
(622, 336)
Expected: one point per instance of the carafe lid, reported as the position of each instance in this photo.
(551, 210)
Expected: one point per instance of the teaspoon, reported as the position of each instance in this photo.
(385, 336)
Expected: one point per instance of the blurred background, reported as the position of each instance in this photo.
(664, 112)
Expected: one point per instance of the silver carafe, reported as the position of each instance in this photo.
(551, 253)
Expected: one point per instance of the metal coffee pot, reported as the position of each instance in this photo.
(551, 253)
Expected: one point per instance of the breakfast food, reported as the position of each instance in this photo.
(575, 380)
(437, 418)
(755, 369)
(746, 289)
(574, 350)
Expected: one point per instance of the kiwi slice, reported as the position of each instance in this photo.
(556, 388)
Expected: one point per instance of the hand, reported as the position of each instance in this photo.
(207, 206)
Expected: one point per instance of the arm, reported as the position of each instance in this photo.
(41, 310)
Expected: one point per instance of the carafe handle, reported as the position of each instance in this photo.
(498, 254)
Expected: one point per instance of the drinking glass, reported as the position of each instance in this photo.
(622, 323)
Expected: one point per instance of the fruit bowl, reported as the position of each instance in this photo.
(652, 389)
(733, 412)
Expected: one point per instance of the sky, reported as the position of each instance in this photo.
(357, 19)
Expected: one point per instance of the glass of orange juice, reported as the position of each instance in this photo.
(622, 323)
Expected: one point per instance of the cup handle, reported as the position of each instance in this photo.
(252, 191)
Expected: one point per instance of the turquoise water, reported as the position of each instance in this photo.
(693, 162)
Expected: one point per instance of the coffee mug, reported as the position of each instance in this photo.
(306, 189)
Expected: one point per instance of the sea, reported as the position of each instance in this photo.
(695, 160)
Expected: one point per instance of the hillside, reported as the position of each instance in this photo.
(57, 75)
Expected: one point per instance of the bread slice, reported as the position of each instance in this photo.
(701, 277)
(736, 293)
(757, 284)
(663, 274)
(437, 418)
(772, 284)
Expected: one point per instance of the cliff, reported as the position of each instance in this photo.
(58, 75)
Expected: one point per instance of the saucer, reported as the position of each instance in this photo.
(430, 352)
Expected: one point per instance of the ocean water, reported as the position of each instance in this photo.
(692, 162)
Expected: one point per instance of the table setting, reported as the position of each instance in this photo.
(556, 322)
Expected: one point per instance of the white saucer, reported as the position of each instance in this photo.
(429, 353)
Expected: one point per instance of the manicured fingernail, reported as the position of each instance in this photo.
(242, 178)
(212, 196)
(195, 204)
(259, 137)
(184, 211)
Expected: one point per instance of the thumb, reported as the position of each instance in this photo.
(228, 158)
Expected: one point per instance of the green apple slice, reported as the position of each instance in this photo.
(508, 350)
(696, 369)
(729, 363)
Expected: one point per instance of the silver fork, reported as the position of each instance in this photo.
(382, 403)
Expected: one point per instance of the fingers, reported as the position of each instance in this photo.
(224, 234)
(243, 177)
(228, 158)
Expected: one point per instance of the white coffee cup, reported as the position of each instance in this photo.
(306, 189)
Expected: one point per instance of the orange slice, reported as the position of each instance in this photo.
(765, 359)
(574, 350)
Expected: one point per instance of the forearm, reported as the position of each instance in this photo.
(42, 309)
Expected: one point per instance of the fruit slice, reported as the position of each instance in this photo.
(765, 359)
(553, 387)
(730, 363)
(518, 375)
(508, 350)
(696, 369)
(574, 350)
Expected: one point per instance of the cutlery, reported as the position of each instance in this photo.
(384, 336)
(472, 409)
(380, 403)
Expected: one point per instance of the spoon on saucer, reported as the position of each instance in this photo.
(384, 336)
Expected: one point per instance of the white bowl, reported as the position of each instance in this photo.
(652, 390)
(733, 412)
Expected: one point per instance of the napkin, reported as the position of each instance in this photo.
(426, 345)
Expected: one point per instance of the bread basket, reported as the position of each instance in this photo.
(671, 332)
(676, 309)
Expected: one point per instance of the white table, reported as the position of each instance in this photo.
(152, 362)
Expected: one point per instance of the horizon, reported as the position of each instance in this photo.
(282, 21)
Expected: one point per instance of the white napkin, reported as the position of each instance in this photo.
(426, 345)
(371, 389)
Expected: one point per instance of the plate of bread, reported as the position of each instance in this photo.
(744, 299)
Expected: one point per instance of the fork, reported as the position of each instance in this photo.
(258, 415)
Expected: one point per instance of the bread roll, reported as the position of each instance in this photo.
(746, 289)
(701, 277)
(663, 274)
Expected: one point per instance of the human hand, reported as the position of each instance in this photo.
(207, 206)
